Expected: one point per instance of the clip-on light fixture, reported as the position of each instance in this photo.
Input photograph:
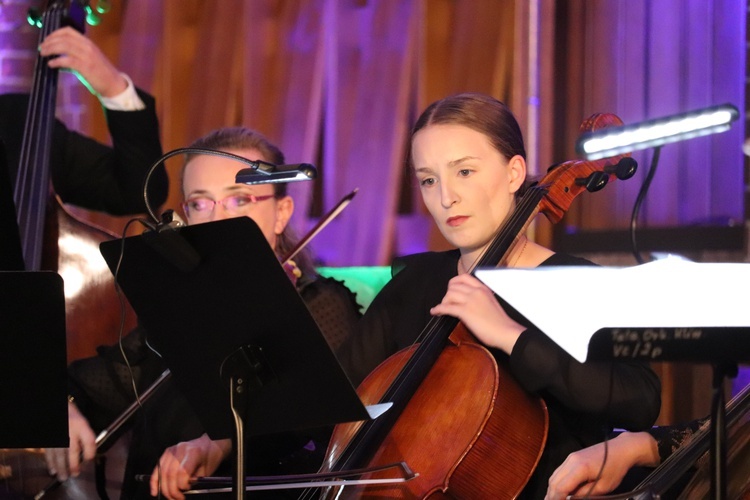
(258, 172)
(612, 141)
(261, 172)
(652, 133)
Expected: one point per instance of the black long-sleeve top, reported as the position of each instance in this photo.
(90, 174)
(584, 400)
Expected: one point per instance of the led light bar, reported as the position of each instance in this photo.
(652, 133)
(262, 172)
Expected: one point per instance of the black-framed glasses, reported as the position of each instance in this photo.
(201, 207)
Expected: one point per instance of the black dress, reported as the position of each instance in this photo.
(101, 387)
(584, 400)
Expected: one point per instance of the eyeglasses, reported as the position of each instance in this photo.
(236, 204)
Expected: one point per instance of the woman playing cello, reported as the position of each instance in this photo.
(468, 156)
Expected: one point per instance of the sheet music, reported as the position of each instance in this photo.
(571, 303)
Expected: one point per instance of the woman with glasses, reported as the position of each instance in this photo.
(101, 385)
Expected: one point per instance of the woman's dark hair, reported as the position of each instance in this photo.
(235, 138)
(480, 112)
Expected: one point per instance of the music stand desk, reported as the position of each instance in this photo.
(33, 361)
(668, 310)
(234, 300)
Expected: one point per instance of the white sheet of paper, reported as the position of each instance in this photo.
(378, 409)
(571, 303)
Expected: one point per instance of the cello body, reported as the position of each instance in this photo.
(495, 422)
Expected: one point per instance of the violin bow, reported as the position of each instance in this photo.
(323, 222)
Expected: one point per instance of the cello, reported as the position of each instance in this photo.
(456, 453)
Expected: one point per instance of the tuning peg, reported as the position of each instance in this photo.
(594, 182)
(92, 18)
(34, 17)
(103, 6)
(625, 168)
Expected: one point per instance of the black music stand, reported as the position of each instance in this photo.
(33, 361)
(705, 293)
(11, 255)
(217, 303)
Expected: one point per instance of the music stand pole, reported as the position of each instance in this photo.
(718, 429)
(242, 369)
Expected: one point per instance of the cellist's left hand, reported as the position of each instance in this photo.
(472, 302)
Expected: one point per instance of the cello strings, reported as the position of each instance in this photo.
(518, 217)
(431, 336)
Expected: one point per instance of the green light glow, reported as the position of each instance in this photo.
(91, 18)
(34, 18)
(365, 281)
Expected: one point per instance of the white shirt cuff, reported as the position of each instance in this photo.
(127, 100)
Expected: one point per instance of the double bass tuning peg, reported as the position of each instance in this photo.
(34, 17)
(93, 15)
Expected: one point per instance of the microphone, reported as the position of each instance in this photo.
(262, 172)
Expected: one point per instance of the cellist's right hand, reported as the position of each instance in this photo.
(471, 301)
(65, 462)
(180, 464)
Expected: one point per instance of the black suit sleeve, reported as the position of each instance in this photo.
(98, 177)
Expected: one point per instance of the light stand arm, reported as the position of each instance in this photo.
(639, 200)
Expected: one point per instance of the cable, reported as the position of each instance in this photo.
(639, 200)
(252, 163)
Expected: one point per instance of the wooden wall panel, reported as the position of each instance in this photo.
(213, 84)
(628, 60)
(282, 86)
(369, 95)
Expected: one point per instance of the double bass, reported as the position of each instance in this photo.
(686, 474)
(53, 238)
(463, 452)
